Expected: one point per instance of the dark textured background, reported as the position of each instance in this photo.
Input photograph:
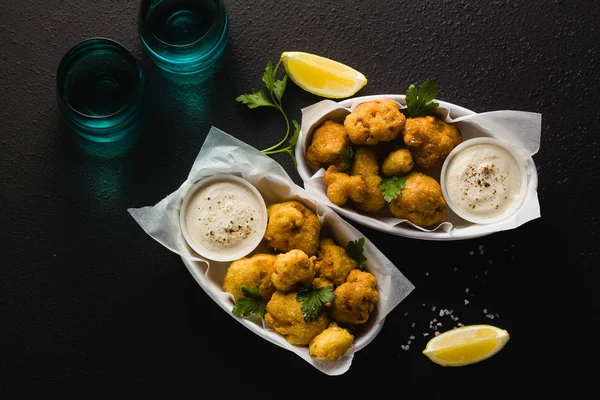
(93, 308)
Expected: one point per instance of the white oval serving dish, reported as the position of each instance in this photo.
(470, 125)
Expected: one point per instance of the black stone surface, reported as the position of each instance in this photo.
(92, 308)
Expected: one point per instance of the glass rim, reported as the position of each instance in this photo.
(62, 69)
(182, 46)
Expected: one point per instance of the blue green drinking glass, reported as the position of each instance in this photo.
(101, 88)
(184, 36)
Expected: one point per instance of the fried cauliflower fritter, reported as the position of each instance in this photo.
(330, 344)
(374, 121)
(251, 272)
(430, 140)
(341, 187)
(421, 201)
(365, 164)
(355, 299)
(333, 263)
(328, 143)
(285, 316)
(397, 162)
(291, 269)
(291, 225)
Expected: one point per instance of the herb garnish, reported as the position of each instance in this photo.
(392, 187)
(250, 304)
(419, 101)
(355, 250)
(346, 156)
(258, 98)
(312, 301)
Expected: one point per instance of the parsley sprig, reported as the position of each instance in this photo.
(250, 304)
(258, 98)
(312, 300)
(392, 187)
(355, 250)
(419, 100)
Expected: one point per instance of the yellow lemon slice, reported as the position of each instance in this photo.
(322, 76)
(466, 345)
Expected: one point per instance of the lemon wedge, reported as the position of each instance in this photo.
(322, 76)
(466, 345)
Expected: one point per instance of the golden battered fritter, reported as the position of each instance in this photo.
(365, 164)
(328, 143)
(291, 225)
(374, 121)
(397, 162)
(421, 201)
(331, 344)
(341, 187)
(285, 316)
(251, 272)
(291, 269)
(355, 299)
(333, 263)
(430, 140)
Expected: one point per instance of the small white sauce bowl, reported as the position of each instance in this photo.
(222, 256)
(520, 162)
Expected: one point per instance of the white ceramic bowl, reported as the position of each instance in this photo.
(514, 206)
(461, 228)
(220, 256)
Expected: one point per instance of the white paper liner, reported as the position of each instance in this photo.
(222, 153)
(518, 128)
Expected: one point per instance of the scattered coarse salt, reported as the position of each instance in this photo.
(459, 324)
(471, 253)
(481, 252)
(490, 316)
(439, 324)
(437, 333)
(455, 269)
(485, 272)
(480, 247)
(409, 342)
(423, 304)
(490, 262)
(441, 313)
(426, 273)
(485, 310)
(426, 334)
(466, 302)
(433, 308)
(411, 337)
(497, 316)
(466, 290)
(412, 325)
(406, 313)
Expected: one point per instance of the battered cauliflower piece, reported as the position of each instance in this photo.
(291, 269)
(251, 272)
(328, 143)
(333, 263)
(291, 225)
(430, 140)
(284, 315)
(331, 344)
(365, 164)
(341, 187)
(374, 121)
(355, 299)
(397, 162)
(421, 201)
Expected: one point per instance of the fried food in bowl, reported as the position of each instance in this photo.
(331, 344)
(421, 201)
(430, 140)
(291, 225)
(355, 299)
(374, 121)
(252, 272)
(329, 142)
(342, 187)
(293, 269)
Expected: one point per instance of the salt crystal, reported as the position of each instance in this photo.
(411, 337)
(490, 316)
(426, 334)
(409, 342)
(490, 262)
(485, 272)
(485, 310)
(412, 325)
(426, 273)
(406, 313)
(439, 324)
(433, 308)
(471, 252)
(480, 246)
(466, 290)
(455, 269)
(441, 313)
(423, 304)
(466, 302)
(481, 252)
(437, 333)
(459, 324)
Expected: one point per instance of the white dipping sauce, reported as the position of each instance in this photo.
(483, 180)
(223, 218)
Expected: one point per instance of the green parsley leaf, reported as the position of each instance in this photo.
(279, 88)
(257, 98)
(419, 101)
(392, 187)
(346, 156)
(312, 301)
(294, 139)
(269, 77)
(355, 250)
(250, 304)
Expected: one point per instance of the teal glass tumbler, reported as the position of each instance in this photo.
(101, 90)
(184, 36)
